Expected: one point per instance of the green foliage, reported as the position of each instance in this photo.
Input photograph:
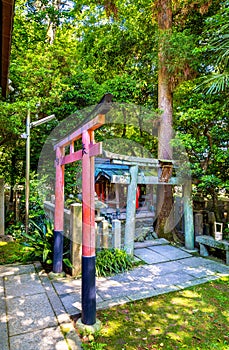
(37, 196)
(180, 55)
(226, 232)
(202, 123)
(94, 346)
(112, 261)
(40, 241)
(64, 57)
(216, 45)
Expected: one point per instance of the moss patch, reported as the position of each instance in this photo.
(194, 318)
(11, 252)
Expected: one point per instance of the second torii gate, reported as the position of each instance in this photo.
(86, 154)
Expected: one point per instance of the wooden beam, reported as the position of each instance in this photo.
(146, 180)
(95, 149)
(153, 180)
(139, 163)
(129, 160)
(92, 125)
(72, 157)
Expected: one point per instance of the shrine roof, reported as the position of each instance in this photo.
(111, 171)
(108, 170)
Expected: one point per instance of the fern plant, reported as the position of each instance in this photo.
(112, 261)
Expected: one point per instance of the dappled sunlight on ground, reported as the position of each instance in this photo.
(196, 318)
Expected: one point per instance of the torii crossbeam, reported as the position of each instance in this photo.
(86, 154)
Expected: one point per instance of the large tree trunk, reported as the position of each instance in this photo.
(164, 195)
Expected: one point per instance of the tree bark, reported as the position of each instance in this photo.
(165, 99)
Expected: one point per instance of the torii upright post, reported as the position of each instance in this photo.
(88, 228)
(59, 213)
(86, 154)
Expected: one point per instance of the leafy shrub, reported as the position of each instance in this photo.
(15, 230)
(93, 346)
(226, 232)
(112, 261)
(40, 241)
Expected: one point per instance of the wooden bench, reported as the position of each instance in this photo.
(209, 241)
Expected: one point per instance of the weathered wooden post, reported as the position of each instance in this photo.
(199, 224)
(117, 199)
(211, 223)
(105, 234)
(131, 211)
(116, 232)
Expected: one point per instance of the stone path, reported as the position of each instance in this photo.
(35, 311)
(32, 314)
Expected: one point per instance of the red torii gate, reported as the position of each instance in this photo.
(86, 154)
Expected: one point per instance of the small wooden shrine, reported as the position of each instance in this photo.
(112, 178)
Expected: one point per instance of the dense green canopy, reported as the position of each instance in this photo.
(65, 56)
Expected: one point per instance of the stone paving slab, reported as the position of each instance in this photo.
(148, 257)
(71, 302)
(210, 265)
(112, 302)
(198, 272)
(170, 252)
(130, 276)
(174, 278)
(164, 268)
(29, 313)
(45, 339)
(21, 285)
(155, 242)
(3, 325)
(57, 305)
(7, 270)
(112, 289)
(149, 293)
(65, 285)
(196, 282)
